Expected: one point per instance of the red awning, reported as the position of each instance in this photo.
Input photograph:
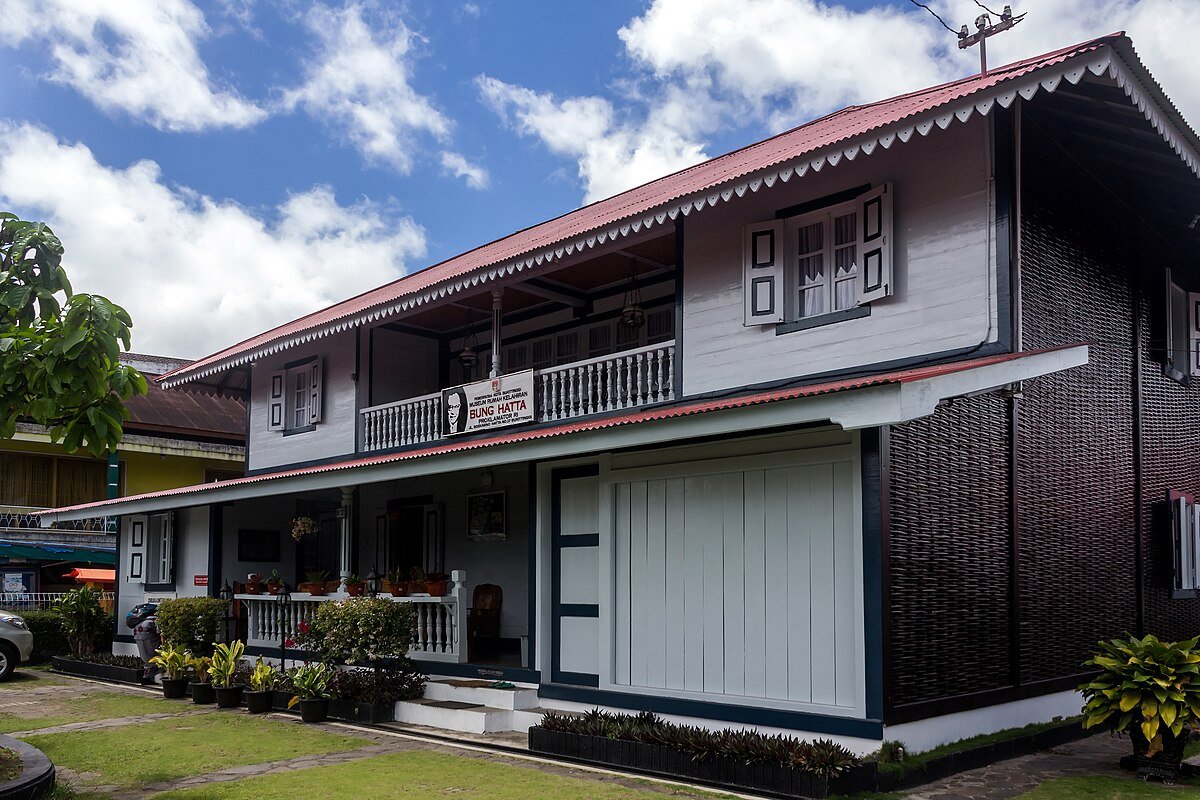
(86, 575)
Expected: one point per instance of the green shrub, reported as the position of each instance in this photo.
(360, 630)
(82, 619)
(191, 622)
(49, 634)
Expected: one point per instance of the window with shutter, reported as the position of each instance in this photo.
(159, 549)
(875, 244)
(599, 340)
(763, 273)
(314, 392)
(1179, 332)
(295, 397)
(543, 353)
(276, 402)
(135, 557)
(566, 347)
(660, 325)
(516, 357)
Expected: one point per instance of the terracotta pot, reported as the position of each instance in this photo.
(436, 588)
(315, 588)
(254, 588)
(355, 589)
(416, 587)
(398, 589)
(273, 588)
(332, 586)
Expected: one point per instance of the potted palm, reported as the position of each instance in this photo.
(311, 682)
(262, 682)
(173, 660)
(202, 690)
(314, 582)
(225, 659)
(1149, 689)
(396, 583)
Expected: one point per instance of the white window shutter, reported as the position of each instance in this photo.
(135, 556)
(1194, 331)
(763, 273)
(875, 244)
(314, 389)
(275, 404)
(168, 548)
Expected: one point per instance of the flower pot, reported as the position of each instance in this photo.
(436, 588)
(314, 710)
(332, 586)
(258, 702)
(229, 696)
(417, 587)
(254, 587)
(273, 588)
(355, 589)
(399, 589)
(202, 693)
(315, 588)
(1166, 763)
(174, 688)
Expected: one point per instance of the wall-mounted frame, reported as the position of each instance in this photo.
(258, 545)
(486, 517)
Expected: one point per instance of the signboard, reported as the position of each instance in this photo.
(200, 580)
(484, 405)
(15, 582)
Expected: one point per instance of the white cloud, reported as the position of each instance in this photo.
(198, 273)
(358, 80)
(457, 165)
(137, 57)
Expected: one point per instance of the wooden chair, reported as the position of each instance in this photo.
(483, 622)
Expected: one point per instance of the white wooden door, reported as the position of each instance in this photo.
(741, 578)
(575, 575)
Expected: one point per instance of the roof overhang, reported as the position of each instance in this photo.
(853, 403)
(1112, 57)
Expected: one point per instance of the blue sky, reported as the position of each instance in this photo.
(221, 167)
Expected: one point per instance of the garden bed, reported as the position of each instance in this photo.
(36, 776)
(358, 711)
(116, 673)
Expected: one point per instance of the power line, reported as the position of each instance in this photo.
(985, 8)
(935, 15)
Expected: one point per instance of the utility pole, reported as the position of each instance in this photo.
(985, 28)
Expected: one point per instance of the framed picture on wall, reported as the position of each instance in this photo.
(485, 517)
(256, 545)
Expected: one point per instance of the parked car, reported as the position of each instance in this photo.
(16, 643)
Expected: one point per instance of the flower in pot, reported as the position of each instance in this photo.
(314, 582)
(174, 661)
(355, 586)
(397, 582)
(202, 690)
(253, 583)
(311, 682)
(262, 683)
(274, 582)
(223, 667)
(1151, 690)
(304, 526)
(436, 584)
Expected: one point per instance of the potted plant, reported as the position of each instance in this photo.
(173, 660)
(253, 583)
(355, 586)
(262, 682)
(225, 659)
(274, 582)
(396, 582)
(1149, 689)
(436, 584)
(314, 582)
(304, 526)
(416, 581)
(202, 690)
(311, 682)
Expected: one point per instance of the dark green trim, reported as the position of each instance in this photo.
(531, 575)
(579, 540)
(557, 608)
(858, 312)
(837, 198)
(591, 610)
(679, 253)
(746, 715)
(216, 542)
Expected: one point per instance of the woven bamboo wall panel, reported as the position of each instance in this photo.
(948, 559)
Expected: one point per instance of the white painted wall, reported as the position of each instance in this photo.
(926, 734)
(191, 559)
(944, 268)
(334, 435)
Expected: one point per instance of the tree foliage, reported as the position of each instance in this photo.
(59, 350)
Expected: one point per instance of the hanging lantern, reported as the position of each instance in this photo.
(632, 313)
(468, 357)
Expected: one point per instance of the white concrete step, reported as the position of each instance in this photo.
(454, 715)
(482, 693)
(525, 718)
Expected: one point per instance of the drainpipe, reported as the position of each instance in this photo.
(497, 317)
(345, 522)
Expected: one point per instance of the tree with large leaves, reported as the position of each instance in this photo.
(59, 351)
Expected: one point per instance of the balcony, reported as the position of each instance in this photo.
(623, 380)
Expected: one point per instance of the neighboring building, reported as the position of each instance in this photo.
(171, 439)
(898, 441)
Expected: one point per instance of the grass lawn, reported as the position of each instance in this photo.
(88, 706)
(167, 749)
(422, 774)
(21, 679)
(10, 764)
(1105, 788)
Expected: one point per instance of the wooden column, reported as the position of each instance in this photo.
(497, 321)
(345, 522)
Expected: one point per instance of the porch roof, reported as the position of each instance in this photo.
(857, 402)
(855, 131)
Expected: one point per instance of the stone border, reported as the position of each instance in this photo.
(37, 773)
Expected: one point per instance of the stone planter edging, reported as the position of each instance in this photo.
(37, 773)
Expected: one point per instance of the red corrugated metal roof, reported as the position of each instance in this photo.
(598, 423)
(184, 413)
(836, 128)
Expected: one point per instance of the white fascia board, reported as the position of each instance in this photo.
(851, 409)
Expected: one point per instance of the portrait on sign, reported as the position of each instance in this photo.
(484, 405)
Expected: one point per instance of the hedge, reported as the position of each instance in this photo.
(191, 622)
(49, 634)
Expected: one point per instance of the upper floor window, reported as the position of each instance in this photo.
(295, 397)
(832, 259)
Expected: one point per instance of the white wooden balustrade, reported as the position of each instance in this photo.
(614, 382)
(439, 631)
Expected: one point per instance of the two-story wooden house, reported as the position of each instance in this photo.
(870, 429)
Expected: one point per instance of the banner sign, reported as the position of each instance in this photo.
(484, 405)
(200, 580)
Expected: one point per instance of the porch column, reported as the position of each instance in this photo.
(497, 319)
(346, 523)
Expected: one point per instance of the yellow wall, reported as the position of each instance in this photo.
(149, 472)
